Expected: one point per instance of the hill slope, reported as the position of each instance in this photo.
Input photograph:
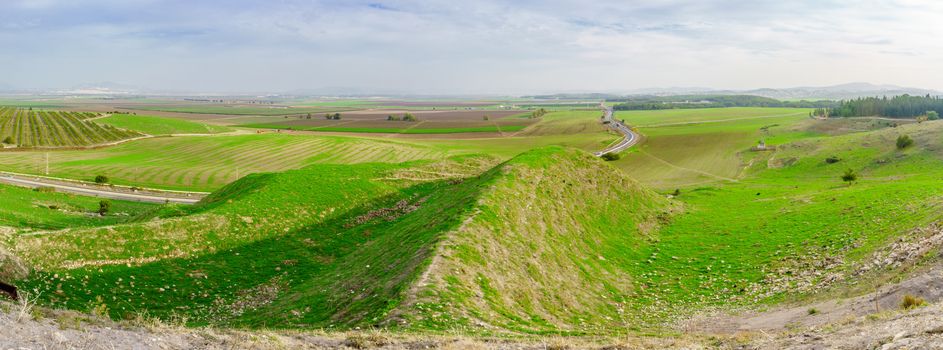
(347, 246)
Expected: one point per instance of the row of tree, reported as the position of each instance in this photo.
(710, 101)
(904, 106)
(407, 117)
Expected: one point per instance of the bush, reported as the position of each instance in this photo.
(409, 117)
(8, 140)
(610, 156)
(911, 302)
(812, 311)
(849, 176)
(103, 207)
(933, 115)
(832, 160)
(101, 179)
(45, 189)
(904, 141)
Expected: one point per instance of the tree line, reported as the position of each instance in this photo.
(903, 106)
(710, 101)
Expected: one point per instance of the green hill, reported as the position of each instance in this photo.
(373, 244)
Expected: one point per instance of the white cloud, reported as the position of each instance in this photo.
(468, 47)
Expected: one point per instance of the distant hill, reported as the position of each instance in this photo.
(833, 92)
(839, 92)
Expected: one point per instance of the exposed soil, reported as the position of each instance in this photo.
(927, 285)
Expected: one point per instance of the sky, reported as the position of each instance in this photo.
(467, 47)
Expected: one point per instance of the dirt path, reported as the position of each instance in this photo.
(927, 285)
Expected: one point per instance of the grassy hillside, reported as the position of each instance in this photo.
(160, 126)
(268, 236)
(547, 248)
(344, 245)
(27, 209)
(28, 128)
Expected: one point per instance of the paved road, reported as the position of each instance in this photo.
(630, 137)
(103, 192)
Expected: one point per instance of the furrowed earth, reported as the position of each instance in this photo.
(507, 227)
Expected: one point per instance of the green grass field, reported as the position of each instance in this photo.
(27, 209)
(209, 162)
(698, 146)
(160, 126)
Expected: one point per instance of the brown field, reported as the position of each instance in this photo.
(438, 103)
(378, 119)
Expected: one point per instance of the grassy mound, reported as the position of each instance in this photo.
(347, 246)
(546, 248)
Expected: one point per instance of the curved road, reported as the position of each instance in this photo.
(95, 190)
(629, 139)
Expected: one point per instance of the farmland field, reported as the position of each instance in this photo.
(160, 126)
(232, 109)
(429, 122)
(209, 162)
(41, 128)
(698, 146)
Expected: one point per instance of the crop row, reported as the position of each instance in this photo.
(41, 128)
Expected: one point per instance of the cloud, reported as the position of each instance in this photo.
(467, 47)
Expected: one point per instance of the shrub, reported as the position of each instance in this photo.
(485, 117)
(832, 160)
(45, 189)
(676, 193)
(101, 179)
(849, 176)
(610, 156)
(911, 302)
(904, 141)
(933, 115)
(813, 311)
(8, 140)
(409, 117)
(103, 207)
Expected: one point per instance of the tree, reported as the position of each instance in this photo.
(849, 176)
(8, 140)
(101, 179)
(538, 113)
(933, 115)
(485, 117)
(103, 206)
(610, 156)
(904, 141)
(409, 117)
